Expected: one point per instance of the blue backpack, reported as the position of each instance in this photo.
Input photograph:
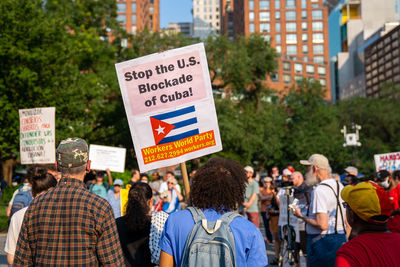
(210, 243)
(22, 199)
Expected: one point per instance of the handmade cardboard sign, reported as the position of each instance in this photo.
(170, 107)
(37, 135)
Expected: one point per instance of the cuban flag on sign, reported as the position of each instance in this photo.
(175, 125)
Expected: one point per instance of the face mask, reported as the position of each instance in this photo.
(385, 184)
(26, 184)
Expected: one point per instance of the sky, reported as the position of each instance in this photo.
(175, 11)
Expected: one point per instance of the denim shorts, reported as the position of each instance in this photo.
(321, 249)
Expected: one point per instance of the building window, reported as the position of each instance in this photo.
(251, 27)
(310, 69)
(290, 3)
(251, 16)
(305, 49)
(278, 38)
(121, 18)
(321, 70)
(318, 49)
(298, 79)
(133, 19)
(278, 27)
(274, 77)
(317, 14)
(291, 49)
(291, 26)
(319, 60)
(264, 16)
(265, 27)
(133, 7)
(286, 78)
(286, 65)
(304, 26)
(267, 37)
(290, 15)
(151, 9)
(251, 5)
(304, 37)
(303, 3)
(277, 4)
(264, 4)
(322, 82)
(278, 49)
(318, 38)
(278, 15)
(298, 68)
(291, 38)
(304, 14)
(317, 26)
(121, 7)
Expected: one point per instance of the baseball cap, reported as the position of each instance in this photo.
(352, 170)
(118, 182)
(287, 172)
(72, 152)
(382, 174)
(268, 180)
(369, 201)
(317, 160)
(249, 169)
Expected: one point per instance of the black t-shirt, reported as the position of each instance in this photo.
(135, 245)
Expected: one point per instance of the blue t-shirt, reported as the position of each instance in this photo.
(115, 203)
(249, 243)
(99, 189)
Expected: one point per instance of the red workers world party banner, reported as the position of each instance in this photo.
(170, 107)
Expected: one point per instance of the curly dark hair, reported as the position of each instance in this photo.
(137, 211)
(219, 184)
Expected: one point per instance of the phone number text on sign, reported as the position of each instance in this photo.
(178, 148)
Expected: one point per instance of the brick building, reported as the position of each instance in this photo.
(382, 62)
(297, 29)
(136, 15)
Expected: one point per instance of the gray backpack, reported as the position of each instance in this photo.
(210, 243)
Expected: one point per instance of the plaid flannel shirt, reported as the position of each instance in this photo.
(69, 226)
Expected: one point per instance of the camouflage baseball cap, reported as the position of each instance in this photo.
(72, 152)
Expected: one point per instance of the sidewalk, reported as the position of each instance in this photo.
(3, 256)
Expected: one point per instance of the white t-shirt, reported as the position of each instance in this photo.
(164, 187)
(323, 200)
(13, 231)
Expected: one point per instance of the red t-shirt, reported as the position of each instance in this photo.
(370, 250)
(394, 221)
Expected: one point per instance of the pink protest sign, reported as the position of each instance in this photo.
(170, 107)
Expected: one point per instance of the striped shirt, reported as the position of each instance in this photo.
(69, 226)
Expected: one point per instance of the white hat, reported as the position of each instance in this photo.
(317, 160)
(286, 172)
(249, 169)
(352, 170)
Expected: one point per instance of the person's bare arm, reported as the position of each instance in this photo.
(320, 221)
(166, 260)
(10, 259)
(110, 179)
(180, 197)
(8, 210)
(251, 201)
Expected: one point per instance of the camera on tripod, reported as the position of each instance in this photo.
(283, 184)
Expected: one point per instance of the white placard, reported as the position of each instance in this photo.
(37, 135)
(170, 107)
(103, 157)
(388, 161)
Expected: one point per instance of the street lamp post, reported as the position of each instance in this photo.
(352, 139)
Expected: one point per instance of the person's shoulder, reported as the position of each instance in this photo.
(19, 215)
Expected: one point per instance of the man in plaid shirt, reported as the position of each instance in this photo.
(68, 225)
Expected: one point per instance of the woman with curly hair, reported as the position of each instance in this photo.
(217, 188)
(140, 229)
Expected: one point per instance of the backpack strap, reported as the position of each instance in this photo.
(228, 217)
(338, 206)
(197, 214)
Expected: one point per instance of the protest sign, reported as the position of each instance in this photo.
(388, 161)
(170, 107)
(103, 157)
(37, 135)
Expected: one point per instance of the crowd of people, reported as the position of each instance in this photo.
(67, 215)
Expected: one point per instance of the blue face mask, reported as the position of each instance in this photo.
(26, 184)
